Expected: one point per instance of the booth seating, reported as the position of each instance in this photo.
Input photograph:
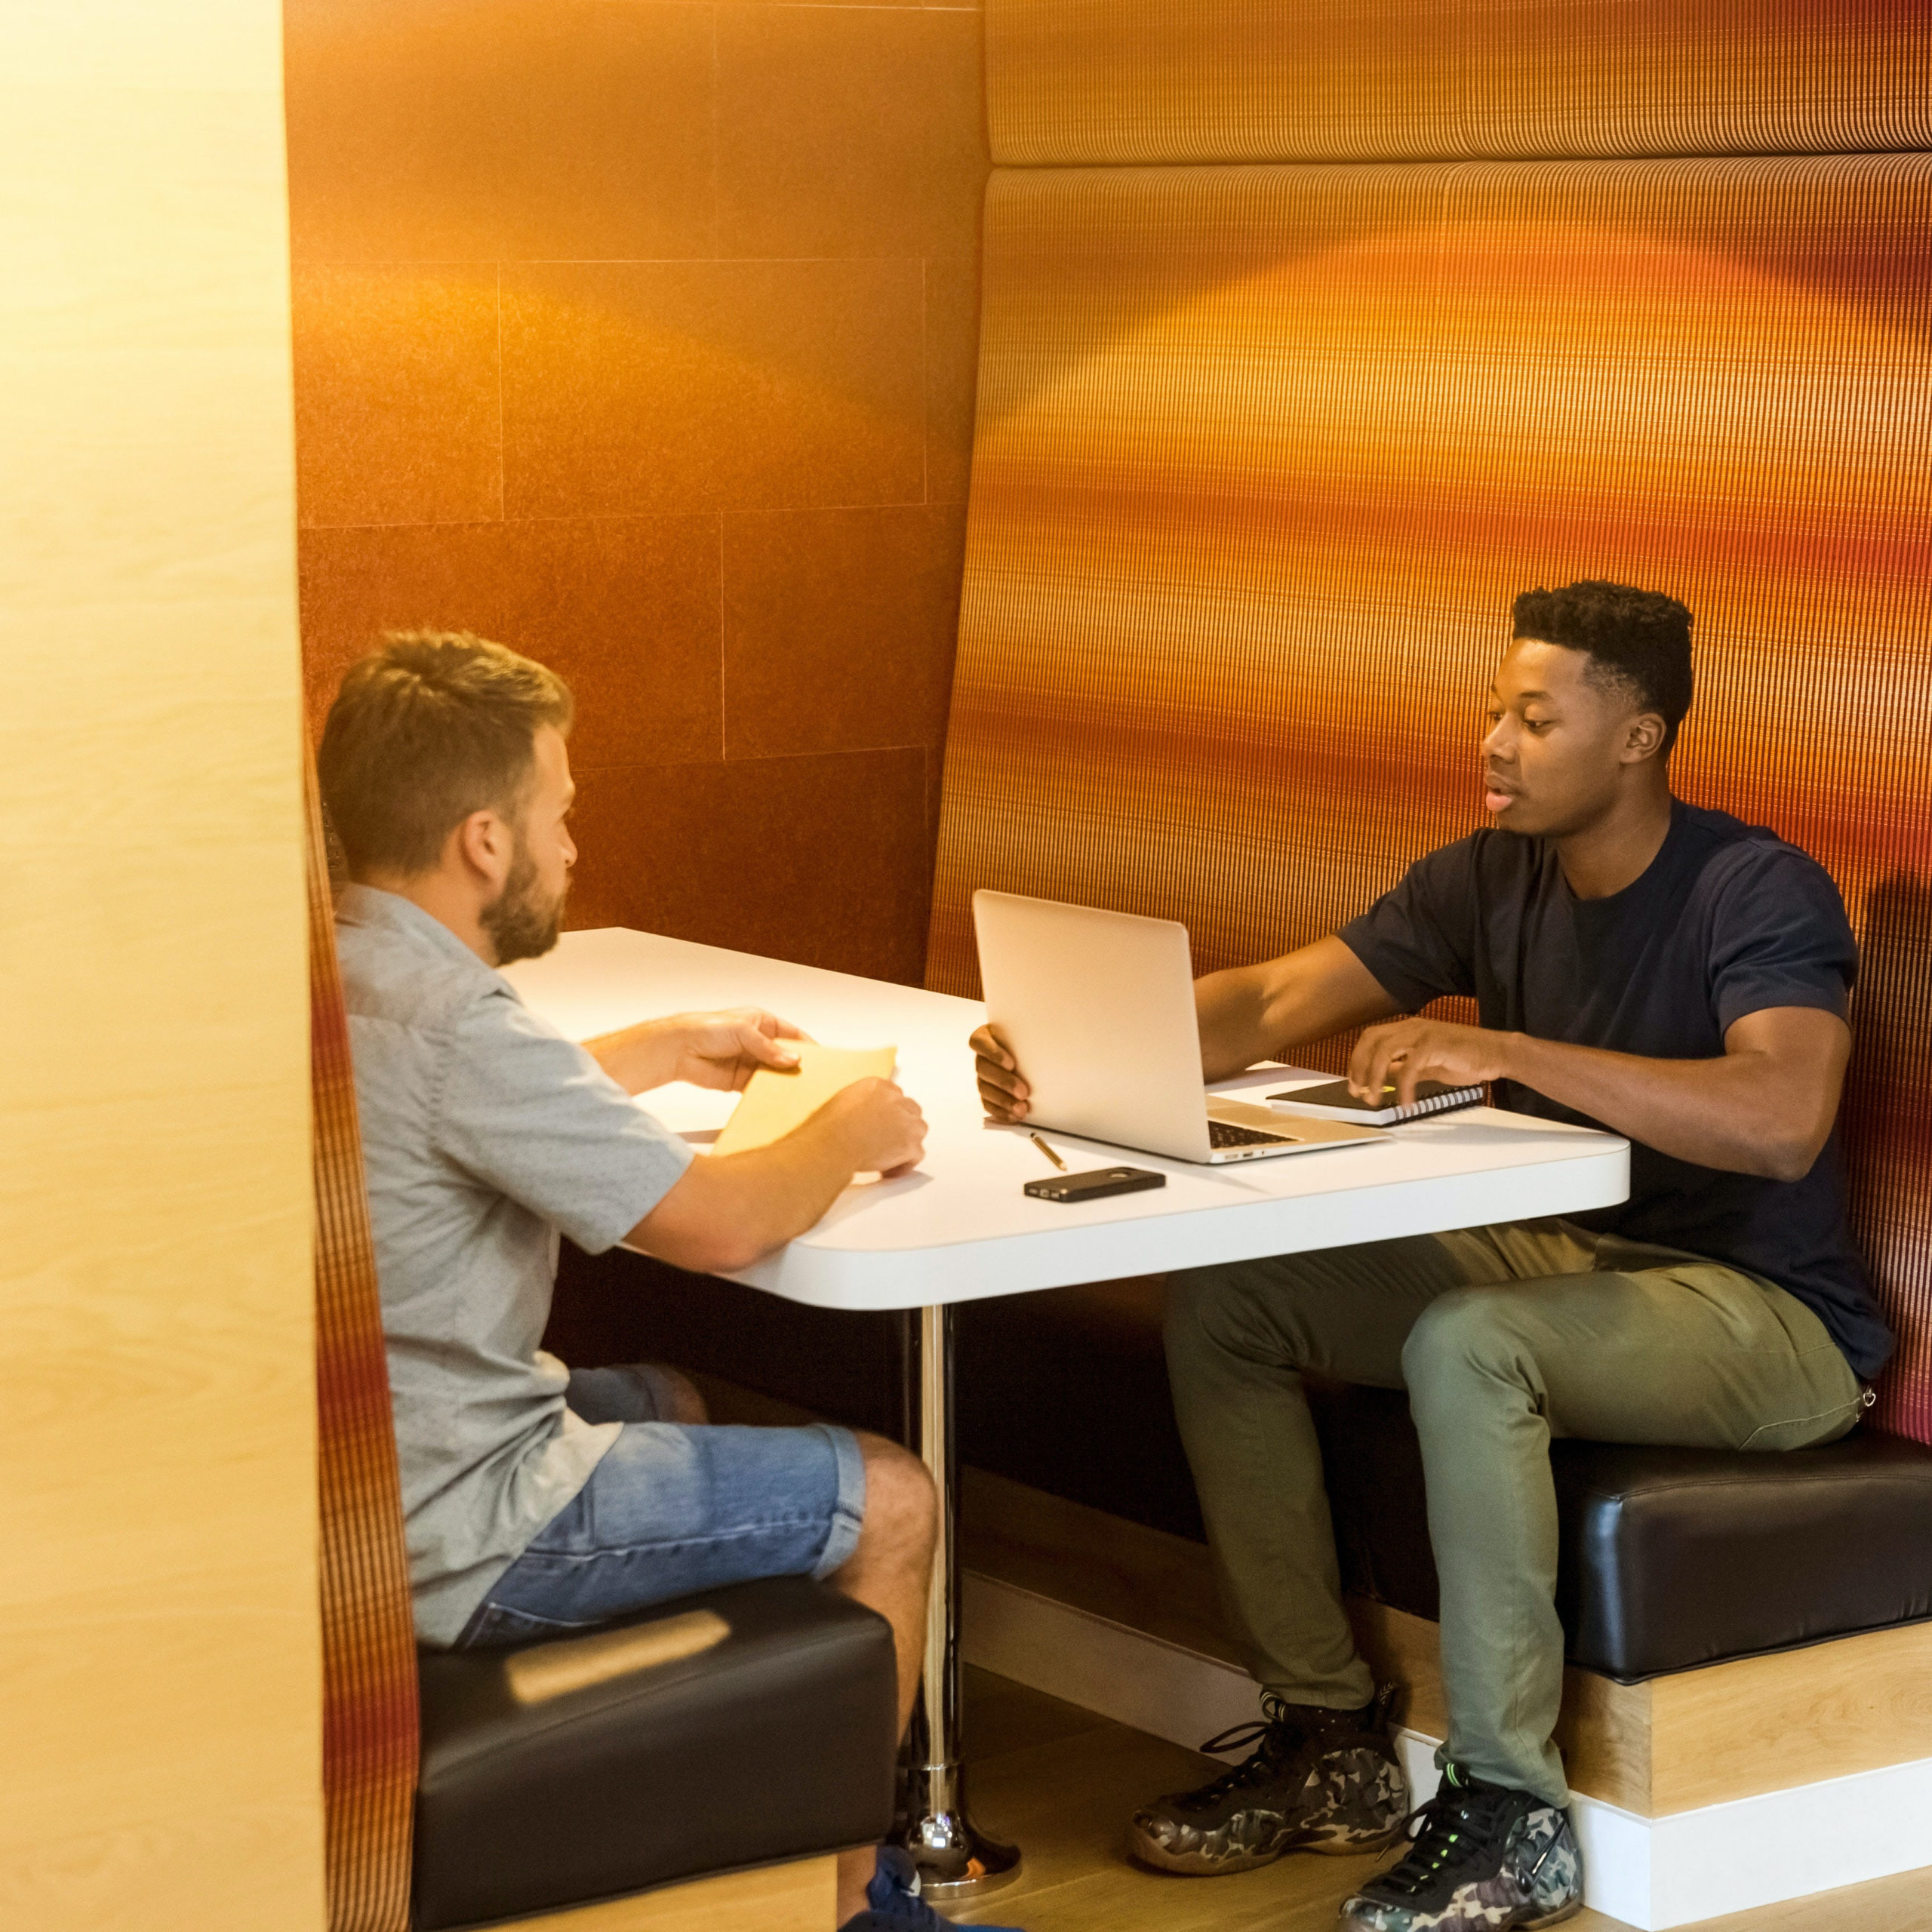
(1672, 1558)
(748, 1731)
(745, 1726)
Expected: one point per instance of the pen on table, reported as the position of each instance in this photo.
(1048, 1151)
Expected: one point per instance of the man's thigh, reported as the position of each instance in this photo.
(1344, 1312)
(673, 1508)
(1689, 1352)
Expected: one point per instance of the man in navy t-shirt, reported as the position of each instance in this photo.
(1638, 964)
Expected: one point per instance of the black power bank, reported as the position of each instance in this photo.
(1097, 1185)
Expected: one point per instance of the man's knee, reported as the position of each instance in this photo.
(902, 1509)
(684, 1402)
(1467, 1332)
(1213, 1305)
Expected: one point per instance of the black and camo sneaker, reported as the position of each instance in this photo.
(1317, 1780)
(1484, 1858)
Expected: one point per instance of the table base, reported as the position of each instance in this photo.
(957, 1860)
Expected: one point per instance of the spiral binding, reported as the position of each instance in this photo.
(1437, 1103)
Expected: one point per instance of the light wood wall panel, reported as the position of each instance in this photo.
(159, 1675)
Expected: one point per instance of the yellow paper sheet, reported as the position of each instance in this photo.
(774, 1103)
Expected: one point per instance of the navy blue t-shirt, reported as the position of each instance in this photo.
(1727, 920)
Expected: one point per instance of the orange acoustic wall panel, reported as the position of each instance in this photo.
(1265, 453)
(1154, 81)
(641, 334)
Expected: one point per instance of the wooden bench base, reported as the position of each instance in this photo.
(801, 1896)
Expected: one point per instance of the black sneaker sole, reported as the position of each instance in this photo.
(1201, 1865)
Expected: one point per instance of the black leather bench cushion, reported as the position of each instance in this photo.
(560, 1772)
(1679, 1557)
(1671, 1557)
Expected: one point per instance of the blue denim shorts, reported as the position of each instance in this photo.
(674, 1507)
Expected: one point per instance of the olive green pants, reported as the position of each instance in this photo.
(1503, 1337)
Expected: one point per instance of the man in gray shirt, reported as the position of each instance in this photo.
(539, 1501)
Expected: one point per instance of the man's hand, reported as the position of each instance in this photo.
(724, 1050)
(721, 1050)
(730, 1210)
(881, 1128)
(1002, 1093)
(1404, 1053)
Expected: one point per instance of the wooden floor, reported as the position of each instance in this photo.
(1063, 1782)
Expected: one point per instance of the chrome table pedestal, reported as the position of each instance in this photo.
(958, 1862)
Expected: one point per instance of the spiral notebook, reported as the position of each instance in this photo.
(1332, 1100)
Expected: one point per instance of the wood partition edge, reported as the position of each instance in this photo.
(159, 1657)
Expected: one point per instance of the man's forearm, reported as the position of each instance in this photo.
(1232, 1008)
(1252, 1013)
(730, 1210)
(640, 1057)
(1730, 1112)
(785, 1189)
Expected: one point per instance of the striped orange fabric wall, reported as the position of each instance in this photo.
(1074, 81)
(1264, 452)
(369, 1718)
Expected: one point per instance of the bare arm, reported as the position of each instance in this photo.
(1247, 1014)
(1765, 1107)
(719, 1049)
(1252, 1013)
(728, 1210)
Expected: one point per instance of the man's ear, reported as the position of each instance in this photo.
(1645, 738)
(483, 846)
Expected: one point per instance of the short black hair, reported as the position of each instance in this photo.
(1638, 639)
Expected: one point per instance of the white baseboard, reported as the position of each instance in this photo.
(1123, 1674)
(1652, 1874)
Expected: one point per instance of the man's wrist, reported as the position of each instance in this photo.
(644, 1056)
(830, 1134)
(1512, 1050)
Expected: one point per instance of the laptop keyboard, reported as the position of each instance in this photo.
(1225, 1133)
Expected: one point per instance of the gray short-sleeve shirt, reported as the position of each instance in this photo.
(484, 1132)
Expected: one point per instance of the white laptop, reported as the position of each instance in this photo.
(1098, 1008)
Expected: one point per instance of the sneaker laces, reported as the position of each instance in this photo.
(1451, 1833)
(1277, 1735)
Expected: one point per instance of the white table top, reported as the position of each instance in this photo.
(960, 1228)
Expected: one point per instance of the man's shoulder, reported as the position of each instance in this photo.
(393, 971)
(1733, 857)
